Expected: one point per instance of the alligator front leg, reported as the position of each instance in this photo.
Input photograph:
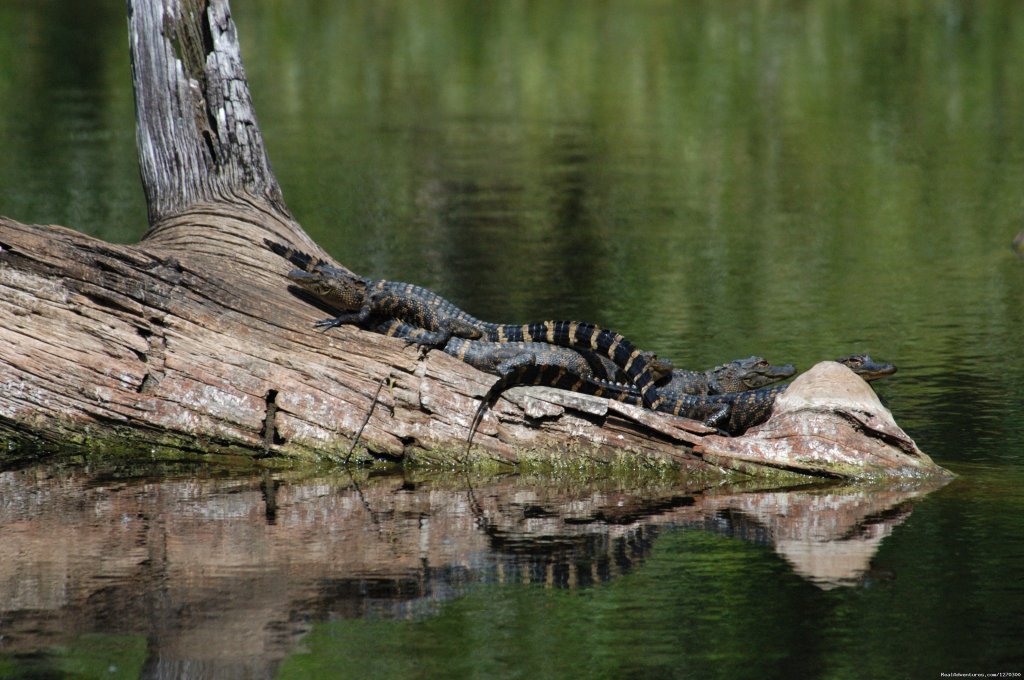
(349, 318)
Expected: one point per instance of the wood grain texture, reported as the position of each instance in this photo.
(195, 349)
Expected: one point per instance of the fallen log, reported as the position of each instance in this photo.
(191, 342)
(112, 346)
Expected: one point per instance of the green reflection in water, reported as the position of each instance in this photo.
(96, 656)
(696, 607)
(699, 606)
(714, 179)
(797, 180)
(67, 119)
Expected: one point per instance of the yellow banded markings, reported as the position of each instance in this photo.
(553, 380)
(629, 364)
(614, 346)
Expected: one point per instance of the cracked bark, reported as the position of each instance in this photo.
(190, 339)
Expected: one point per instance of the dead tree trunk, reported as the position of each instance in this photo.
(191, 341)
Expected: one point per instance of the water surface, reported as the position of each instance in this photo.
(798, 180)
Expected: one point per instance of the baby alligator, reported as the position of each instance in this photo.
(747, 409)
(738, 375)
(368, 302)
(742, 375)
(732, 413)
(500, 357)
(866, 367)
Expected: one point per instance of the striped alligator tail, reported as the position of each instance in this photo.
(303, 261)
(523, 370)
(307, 262)
(586, 336)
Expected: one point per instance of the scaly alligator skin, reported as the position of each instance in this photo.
(866, 367)
(743, 375)
(747, 409)
(365, 300)
(738, 375)
(702, 408)
(733, 413)
(498, 357)
(735, 376)
(540, 363)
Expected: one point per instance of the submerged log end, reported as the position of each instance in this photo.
(828, 423)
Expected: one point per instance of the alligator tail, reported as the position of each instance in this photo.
(586, 336)
(306, 262)
(523, 370)
(298, 258)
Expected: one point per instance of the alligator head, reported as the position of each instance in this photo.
(751, 373)
(338, 287)
(866, 367)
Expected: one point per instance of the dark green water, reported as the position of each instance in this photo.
(714, 179)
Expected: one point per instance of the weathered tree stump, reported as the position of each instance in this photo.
(190, 340)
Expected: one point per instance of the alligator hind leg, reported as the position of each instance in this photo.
(716, 417)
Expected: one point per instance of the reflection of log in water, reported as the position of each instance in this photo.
(208, 569)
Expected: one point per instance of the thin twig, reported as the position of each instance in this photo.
(363, 426)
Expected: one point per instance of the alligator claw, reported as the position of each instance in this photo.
(716, 417)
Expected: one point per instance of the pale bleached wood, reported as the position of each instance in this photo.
(155, 346)
(197, 135)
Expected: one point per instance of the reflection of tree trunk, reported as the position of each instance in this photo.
(194, 565)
